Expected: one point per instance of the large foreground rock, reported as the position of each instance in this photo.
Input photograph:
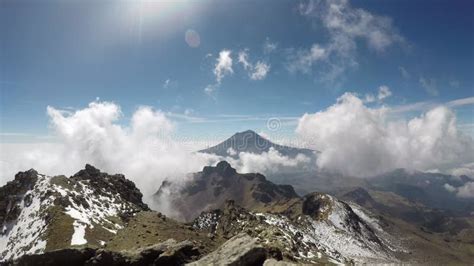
(239, 250)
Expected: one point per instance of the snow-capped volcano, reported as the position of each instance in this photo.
(250, 142)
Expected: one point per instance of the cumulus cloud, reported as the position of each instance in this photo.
(345, 25)
(360, 141)
(257, 71)
(144, 150)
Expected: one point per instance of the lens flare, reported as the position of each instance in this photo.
(192, 38)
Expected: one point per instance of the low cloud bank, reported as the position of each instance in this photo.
(270, 162)
(143, 150)
(358, 140)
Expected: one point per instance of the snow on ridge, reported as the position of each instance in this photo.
(100, 209)
(27, 235)
(335, 237)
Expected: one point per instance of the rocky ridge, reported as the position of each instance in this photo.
(41, 213)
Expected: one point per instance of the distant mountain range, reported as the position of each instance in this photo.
(93, 218)
(339, 225)
(251, 142)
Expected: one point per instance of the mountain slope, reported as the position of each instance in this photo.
(251, 142)
(312, 225)
(41, 213)
(210, 189)
(93, 218)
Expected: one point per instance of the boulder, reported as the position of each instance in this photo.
(239, 250)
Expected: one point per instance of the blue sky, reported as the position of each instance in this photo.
(67, 54)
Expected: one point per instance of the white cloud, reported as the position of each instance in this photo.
(404, 72)
(384, 92)
(429, 85)
(231, 151)
(361, 141)
(209, 89)
(461, 102)
(166, 83)
(260, 71)
(269, 46)
(466, 191)
(243, 59)
(144, 150)
(223, 66)
(449, 188)
(303, 60)
(268, 162)
(465, 169)
(369, 98)
(346, 26)
(256, 72)
(426, 105)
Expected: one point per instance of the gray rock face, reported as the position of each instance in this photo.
(11, 195)
(274, 262)
(112, 183)
(239, 250)
(169, 252)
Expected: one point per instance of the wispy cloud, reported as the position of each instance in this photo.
(346, 25)
(269, 46)
(429, 85)
(461, 102)
(383, 93)
(404, 73)
(223, 66)
(223, 118)
(425, 105)
(411, 107)
(257, 71)
(454, 83)
(166, 84)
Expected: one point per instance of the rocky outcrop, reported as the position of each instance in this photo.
(169, 252)
(41, 213)
(112, 183)
(12, 194)
(239, 250)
